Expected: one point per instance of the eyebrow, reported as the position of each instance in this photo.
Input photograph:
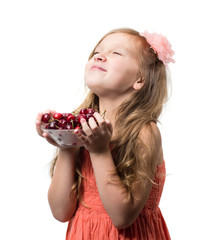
(121, 48)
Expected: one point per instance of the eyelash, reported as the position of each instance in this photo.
(95, 53)
(117, 53)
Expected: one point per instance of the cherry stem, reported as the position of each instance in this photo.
(103, 114)
(72, 124)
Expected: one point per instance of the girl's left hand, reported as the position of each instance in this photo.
(96, 134)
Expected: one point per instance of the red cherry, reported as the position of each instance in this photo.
(45, 118)
(52, 125)
(57, 116)
(62, 123)
(83, 111)
(69, 127)
(76, 122)
(70, 118)
(67, 120)
(65, 115)
(80, 116)
(90, 110)
(89, 115)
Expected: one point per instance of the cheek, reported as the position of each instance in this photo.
(87, 66)
(117, 65)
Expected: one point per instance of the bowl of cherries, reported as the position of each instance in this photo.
(60, 126)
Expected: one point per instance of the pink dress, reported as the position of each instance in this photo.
(94, 223)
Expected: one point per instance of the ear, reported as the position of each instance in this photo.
(138, 84)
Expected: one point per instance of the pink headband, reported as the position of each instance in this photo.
(161, 46)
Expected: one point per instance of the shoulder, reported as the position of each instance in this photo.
(150, 135)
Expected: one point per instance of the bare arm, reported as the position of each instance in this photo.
(62, 204)
(122, 212)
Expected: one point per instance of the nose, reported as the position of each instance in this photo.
(99, 57)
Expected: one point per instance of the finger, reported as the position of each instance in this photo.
(98, 116)
(38, 128)
(85, 127)
(100, 120)
(40, 114)
(81, 136)
(93, 125)
(49, 111)
(45, 135)
(38, 123)
(52, 111)
(38, 120)
(50, 140)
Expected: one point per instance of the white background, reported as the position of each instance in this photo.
(44, 45)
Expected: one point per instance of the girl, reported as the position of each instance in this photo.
(111, 187)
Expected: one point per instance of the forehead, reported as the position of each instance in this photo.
(123, 40)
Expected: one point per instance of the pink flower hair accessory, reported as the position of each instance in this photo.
(161, 46)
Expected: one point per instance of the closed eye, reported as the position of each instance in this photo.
(117, 53)
(95, 53)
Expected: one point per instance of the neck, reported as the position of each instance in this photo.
(109, 108)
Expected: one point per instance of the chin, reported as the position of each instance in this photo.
(92, 84)
(97, 90)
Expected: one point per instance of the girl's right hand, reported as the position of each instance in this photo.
(40, 131)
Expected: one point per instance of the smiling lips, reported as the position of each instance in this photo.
(95, 67)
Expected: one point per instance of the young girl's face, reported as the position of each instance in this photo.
(114, 68)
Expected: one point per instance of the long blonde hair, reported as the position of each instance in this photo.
(143, 107)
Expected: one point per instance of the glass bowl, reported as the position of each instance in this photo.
(63, 137)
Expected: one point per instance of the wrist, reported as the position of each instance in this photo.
(66, 151)
(102, 153)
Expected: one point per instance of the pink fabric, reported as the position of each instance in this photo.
(92, 222)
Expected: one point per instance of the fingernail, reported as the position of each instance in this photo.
(83, 120)
(76, 131)
(37, 122)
